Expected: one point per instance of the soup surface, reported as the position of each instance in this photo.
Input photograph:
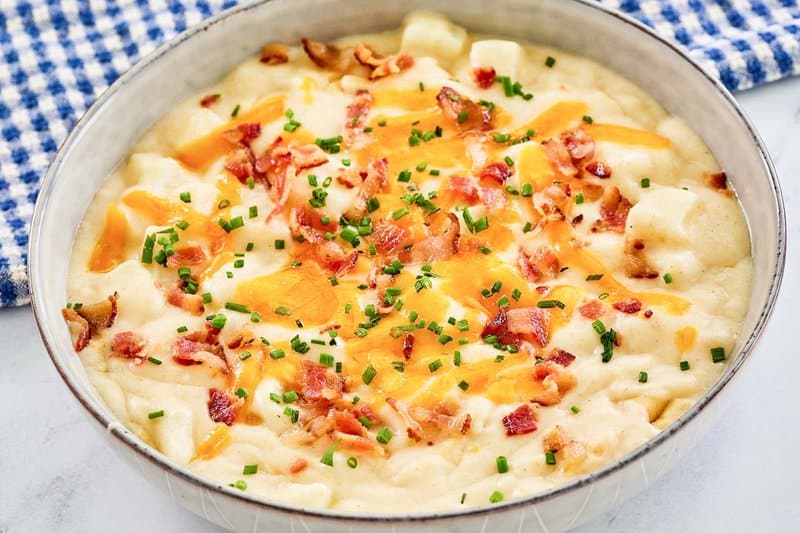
(408, 271)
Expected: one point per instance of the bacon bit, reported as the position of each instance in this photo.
(387, 237)
(241, 164)
(454, 104)
(520, 421)
(498, 326)
(408, 344)
(374, 182)
(281, 164)
(328, 56)
(128, 344)
(614, 210)
(209, 100)
(559, 157)
(469, 190)
(346, 422)
(648, 313)
(382, 67)
(718, 180)
(484, 76)
(191, 303)
(426, 424)
(542, 265)
(359, 444)
(556, 380)
(366, 412)
(579, 145)
(577, 219)
(629, 306)
(243, 133)
(599, 169)
(438, 247)
(572, 453)
(592, 191)
(636, 265)
(274, 54)
(328, 253)
(499, 172)
(187, 256)
(220, 407)
(355, 118)
(531, 322)
(592, 310)
(200, 347)
(561, 357)
(318, 384)
(86, 321)
(298, 465)
(78, 328)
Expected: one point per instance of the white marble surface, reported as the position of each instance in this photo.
(58, 474)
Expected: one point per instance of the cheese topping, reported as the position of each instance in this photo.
(408, 271)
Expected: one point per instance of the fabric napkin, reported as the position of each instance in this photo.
(57, 57)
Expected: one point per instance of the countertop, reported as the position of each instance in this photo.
(58, 474)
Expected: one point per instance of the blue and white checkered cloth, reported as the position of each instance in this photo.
(58, 56)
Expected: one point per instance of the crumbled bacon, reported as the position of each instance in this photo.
(614, 210)
(191, 303)
(464, 112)
(636, 265)
(571, 452)
(531, 322)
(629, 306)
(499, 172)
(187, 256)
(556, 379)
(330, 254)
(438, 247)
(592, 309)
(209, 100)
(561, 357)
(467, 188)
(541, 265)
(200, 347)
(717, 180)
(425, 424)
(382, 66)
(356, 118)
(281, 164)
(346, 422)
(484, 76)
(559, 157)
(328, 56)
(128, 344)
(298, 465)
(387, 237)
(78, 328)
(365, 411)
(274, 54)
(374, 182)
(648, 313)
(579, 145)
(318, 384)
(88, 319)
(520, 421)
(599, 169)
(240, 163)
(498, 326)
(221, 408)
(408, 344)
(243, 133)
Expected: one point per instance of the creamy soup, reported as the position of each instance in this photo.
(415, 270)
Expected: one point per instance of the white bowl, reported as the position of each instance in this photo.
(201, 55)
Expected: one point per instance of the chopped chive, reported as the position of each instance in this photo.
(283, 311)
(599, 327)
(251, 183)
(400, 213)
(404, 176)
(550, 61)
(239, 263)
(463, 385)
(594, 277)
(457, 358)
(384, 436)
(501, 137)
(503, 301)
(527, 190)
(253, 211)
(277, 354)
(182, 329)
(155, 414)
(326, 359)
(352, 462)
(587, 119)
(434, 172)
(244, 356)
(463, 117)
(293, 414)
(154, 360)
(433, 366)
(249, 470)
(239, 308)
(502, 464)
(645, 183)
(642, 377)
(548, 304)
(241, 393)
(718, 354)
(218, 321)
(235, 111)
(239, 484)
(549, 457)
(516, 294)
(667, 278)
(575, 409)
(186, 197)
(684, 365)
(369, 374)
(289, 396)
(373, 204)
(496, 497)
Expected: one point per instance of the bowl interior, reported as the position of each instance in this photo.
(199, 57)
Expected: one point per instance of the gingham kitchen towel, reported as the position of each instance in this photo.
(58, 56)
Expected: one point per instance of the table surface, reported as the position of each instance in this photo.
(58, 474)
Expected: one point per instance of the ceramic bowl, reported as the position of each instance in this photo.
(203, 54)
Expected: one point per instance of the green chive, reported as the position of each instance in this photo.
(433, 366)
(241, 393)
(502, 464)
(249, 470)
(235, 111)
(594, 277)
(642, 377)
(579, 198)
(463, 385)
(718, 354)
(289, 396)
(549, 457)
(186, 197)
(684, 365)
(496, 497)
(239, 308)
(550, 61)
(587, 119)
(667, 278)
(155, 414)
(283, 311)
(384, 436)
(277, 354)
(404, 176)
(548, 304)
(369, 374)
(352, 462)
(154, 360)
(645, 183)
(575, 409)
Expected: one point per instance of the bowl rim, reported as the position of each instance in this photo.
(119, 431)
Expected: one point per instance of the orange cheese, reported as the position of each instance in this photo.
(107, 252)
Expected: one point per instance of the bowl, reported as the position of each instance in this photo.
(201, 55)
